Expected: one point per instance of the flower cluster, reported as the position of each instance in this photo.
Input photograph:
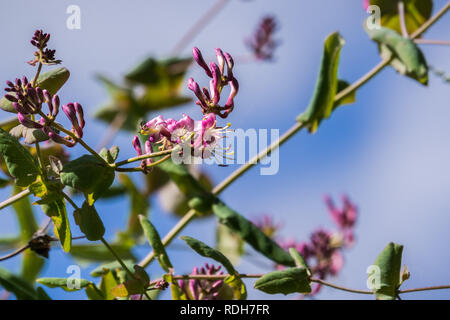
(202, 289)
(262, 43)
(200, 138)
(323, 250)
(344, 218)
(209, 100)
(28, 100)
(43, 54)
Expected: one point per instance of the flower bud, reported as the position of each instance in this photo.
(137, 145)
(79, 110)
(200, 61)
(220, 59)
(11, 98)
(26, 122)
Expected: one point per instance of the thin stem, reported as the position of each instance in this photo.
(117, 257)
(144, 157)
(38, 72)
(198, 26)
(433, 42)
(401, 15)
(183, 222)
(15, 253)
(15, 198)
(325, 283)
(424, 289)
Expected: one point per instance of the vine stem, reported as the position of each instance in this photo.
(331, 285)
(425, 289)
(187, 218)
(199, 25)
(15, 253)
(434, 42)
(117, 257)
(15, 198)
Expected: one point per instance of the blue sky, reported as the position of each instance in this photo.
(388, 151)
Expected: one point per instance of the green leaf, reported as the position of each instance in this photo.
(155, 241)
(136, 285)
(251, 234)
(89, 222)
(30, 135)
(20, 163)
(112, 266)
(348, 99)
(287, 281)
(107, 285)
(299, 260)
(110, 155)
(99, 253)
(238, 287)
(208, 252)
(93, 293)
(322, 102)
(57, 212)
(67, 284)
(406, 56)
(390, 262)
(12, 283)
(138, 204)
(417, 12)
(41, 294)
(51, 80)
(88, 174)
(229, 243)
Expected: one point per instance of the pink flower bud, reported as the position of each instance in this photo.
(200, 61)
(137, 145)
(28, 122)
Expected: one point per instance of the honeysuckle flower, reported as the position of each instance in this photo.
(345, 218)
(202, 289)
(261, 42)
(201, 137)
(209, 100)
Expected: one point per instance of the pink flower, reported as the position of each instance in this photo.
(209, 100)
